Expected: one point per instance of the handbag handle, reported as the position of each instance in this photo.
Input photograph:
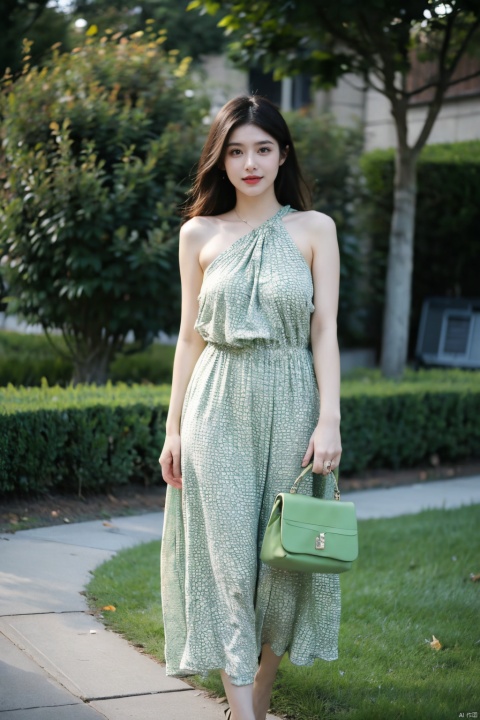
(306, 470)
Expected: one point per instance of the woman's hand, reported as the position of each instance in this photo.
(324, 445)
(170, 461)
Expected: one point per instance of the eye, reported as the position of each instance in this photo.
(264, 150)
(234, 152)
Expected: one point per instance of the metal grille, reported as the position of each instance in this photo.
(449, 332)
(456, 336)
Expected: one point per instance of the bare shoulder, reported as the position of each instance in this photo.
(312, 221)
(197, 230)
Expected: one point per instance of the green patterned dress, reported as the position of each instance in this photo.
(250, 408)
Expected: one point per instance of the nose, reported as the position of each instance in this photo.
(250, 161)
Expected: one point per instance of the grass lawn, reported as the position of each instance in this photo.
(411, 581)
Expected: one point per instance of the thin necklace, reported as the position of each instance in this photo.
(242, 220)
(246, 222)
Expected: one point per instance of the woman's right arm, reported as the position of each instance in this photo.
(189, 347)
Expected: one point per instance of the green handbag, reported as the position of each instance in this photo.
(308, 534)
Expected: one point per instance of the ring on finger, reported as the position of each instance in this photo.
(327, 465)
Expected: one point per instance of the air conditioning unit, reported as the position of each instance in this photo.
(449, 332)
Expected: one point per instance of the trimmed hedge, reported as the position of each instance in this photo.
(93, 438)
(447, 241)
(80, 438)
(389, 424)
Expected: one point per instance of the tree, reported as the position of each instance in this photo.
(98, 147)
(33, 19)
(190, 34)
(379, 40)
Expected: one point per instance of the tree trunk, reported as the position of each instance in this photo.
(93, 369)
(396, 318)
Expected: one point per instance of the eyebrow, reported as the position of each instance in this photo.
(260, 142)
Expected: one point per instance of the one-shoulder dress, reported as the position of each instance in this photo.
(250, 408)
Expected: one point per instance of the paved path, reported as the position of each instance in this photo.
(57, 662)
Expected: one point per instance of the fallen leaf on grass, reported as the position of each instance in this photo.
(111, 608)
(474, 578)
(434, 643)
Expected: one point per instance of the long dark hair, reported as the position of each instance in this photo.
(212, 192)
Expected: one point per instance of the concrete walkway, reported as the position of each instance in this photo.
(57, 662)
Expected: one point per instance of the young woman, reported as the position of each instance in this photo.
(255, 396)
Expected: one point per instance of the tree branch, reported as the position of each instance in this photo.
(355, 87)
(375, 87)
(446, 42)
(36, 15)
(464, 45)
(62, 353)
(448, 84)
(432, 114)
(443, 82)
(345, 37)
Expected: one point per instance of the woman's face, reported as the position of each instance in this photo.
(252, 159)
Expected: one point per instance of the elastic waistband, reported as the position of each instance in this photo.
(259, 346)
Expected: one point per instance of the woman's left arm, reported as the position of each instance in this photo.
(325, 443)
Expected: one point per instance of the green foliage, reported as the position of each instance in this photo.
(447, 242)
(153, 365)
(404, 588)
(386, 423)
(43, 25)
(99, 145)
(26, 359)
(80, 439)
(190, 33)
(329, 39)
(90, 437)
(329, 158)
(379, 42)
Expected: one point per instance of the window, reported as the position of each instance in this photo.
(289, 94)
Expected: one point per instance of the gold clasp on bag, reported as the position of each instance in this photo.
(320, 542)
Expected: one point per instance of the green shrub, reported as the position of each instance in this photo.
(26, 359)
(93, 438)
(329, 158)
(401, 424)
(80, 438)
(153, 365)
(193, 34)
(98, 148)
(447, 241)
